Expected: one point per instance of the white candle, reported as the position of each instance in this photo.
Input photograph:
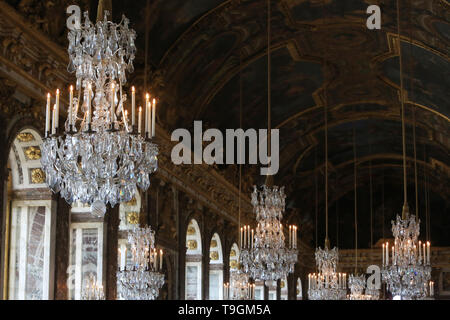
(382, 251)
(47, 115)
(155, 261)
(149, 119)
(424, 254)
(393, 256)
(387, 253)
(245, 236)
(54, 120)
(147, 106)
(240, 242)
(295, 238)
(428, 252)
(248, 235)
(290, 238)
(133, 107)
(160, 259)
(153, 117)
(252, 238)
(57, 109)
(140, 120)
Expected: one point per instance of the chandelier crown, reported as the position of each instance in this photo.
(104, 49)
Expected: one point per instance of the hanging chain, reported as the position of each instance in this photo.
(411, 86)
(240, 124)
(147, 17)
(316, 191)
(326, 138)
(269, 97)
(356, 198)
(371, 204)
(382, 202)
(405, 194)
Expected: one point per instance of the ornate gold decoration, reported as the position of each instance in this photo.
(132, 202)
(282, 284)
(213, 243)
(37, 176)
(33, 153)
(192, 244)
(25, 137)
(233, 253)
(214, 255)
(133, 217)
(298, 292)
(233, 264)
(190, 231)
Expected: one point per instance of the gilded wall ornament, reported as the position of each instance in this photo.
(233, 253)
(133, 217)
(37, 176)
(192, 244)
(190, 231)
(214, 255)
(33, 153)
(213, 244)
(233, 264)
(25, 137)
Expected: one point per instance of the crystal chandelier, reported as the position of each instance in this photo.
(358, 290)
(406, 267)
(141, 280)
(100, 157)
(239, 287)
(92, 290)
(409, 271)
(327, 284)
(264, 254)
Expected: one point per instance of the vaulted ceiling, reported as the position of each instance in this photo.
(200, 49)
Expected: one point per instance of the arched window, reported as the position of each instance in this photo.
(193, 274)
(215, 268)
(30, 222)
(234, 257)
(299, 294)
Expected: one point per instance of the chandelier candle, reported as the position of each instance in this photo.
(47, 116)
(57, 110)
(133, 107)
(153, 117)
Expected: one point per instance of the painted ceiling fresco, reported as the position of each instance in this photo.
(322, 52)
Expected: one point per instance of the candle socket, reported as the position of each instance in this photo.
(89, 130)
